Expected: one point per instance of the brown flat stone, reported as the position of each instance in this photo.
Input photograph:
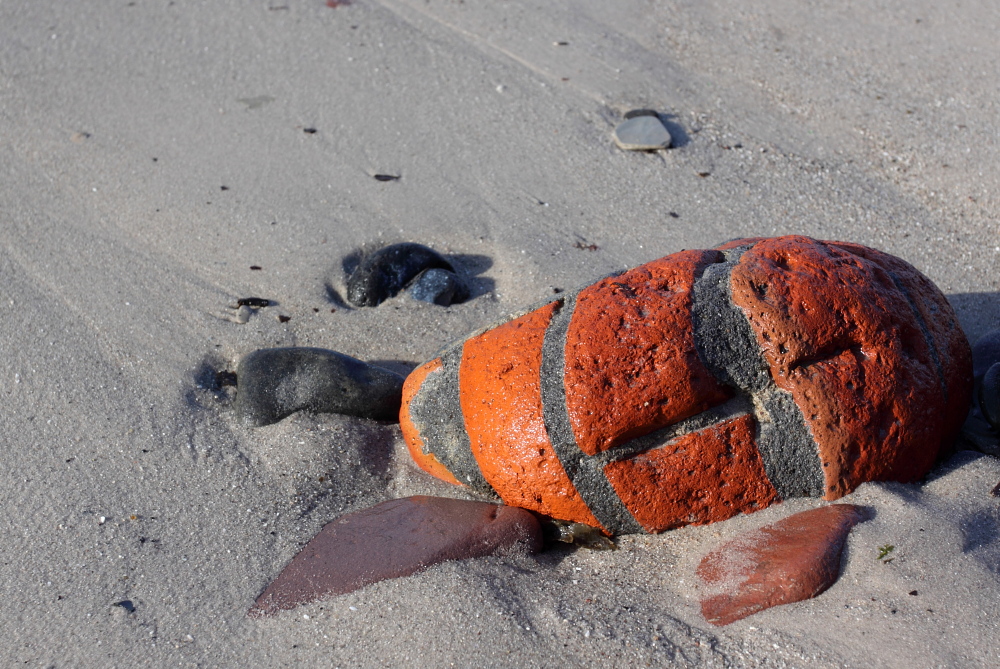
(393, 539)
(794, 559)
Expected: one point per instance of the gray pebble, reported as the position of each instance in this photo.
(437, 286)
(642, 133)
(275, 383)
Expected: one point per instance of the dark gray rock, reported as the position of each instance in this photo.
(985, 353)
(393, 539)
(642, 133)
(384, 273)
(989, 396)
(438, 286)
(275, 383)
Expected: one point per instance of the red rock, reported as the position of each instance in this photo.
(631, 361)
(700, 385)
(393, 539)
(788, 561)
(866, 345)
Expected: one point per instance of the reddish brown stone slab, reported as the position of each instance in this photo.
(702, 477)
(631, 361)
(788, 561)
(501, 399)
(393, 539)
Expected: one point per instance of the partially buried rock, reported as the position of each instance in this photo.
(788, 561)
(438, 286)
(394, 539)
(384, 273)
(274, 383)
(642, 133)
(989, 396)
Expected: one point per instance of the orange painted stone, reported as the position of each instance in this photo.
(501, 399)
(632, 365)
(700, 385)
(844, 329)
(794, 559)
(698, 478)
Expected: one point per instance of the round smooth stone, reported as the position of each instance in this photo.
(642, 133)
(438, 286)
(989, 396)
(389, 270)
(985, 353)
(276, 382)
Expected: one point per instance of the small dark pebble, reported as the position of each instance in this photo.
(704, 174)
(315, 310)
(556, 290)
(127, 605)
(333, 311)
(387, 177)
(389, 270)
(253, 302)
(224, 188)
(284, 319)
(913, 593)
(256, 267)
(275, 383)
(674, 214)
(309, 131)
(437, 286)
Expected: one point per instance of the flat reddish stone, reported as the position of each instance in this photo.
(393, 539)
(794, 559)
(631, 361)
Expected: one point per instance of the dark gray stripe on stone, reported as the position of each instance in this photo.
(436, 411)
(729, 348)
(586, 473)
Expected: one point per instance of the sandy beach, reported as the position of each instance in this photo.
(152, 152)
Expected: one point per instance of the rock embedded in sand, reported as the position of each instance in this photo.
(393, 539)
(438, 286)
(985, 353)
(699, 386)
(794, 559)
(989, 396)
(642, 133)
(274, 383)
(389, 270)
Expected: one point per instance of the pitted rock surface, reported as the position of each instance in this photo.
(393, 539)
(699, 386)
(794, 559)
